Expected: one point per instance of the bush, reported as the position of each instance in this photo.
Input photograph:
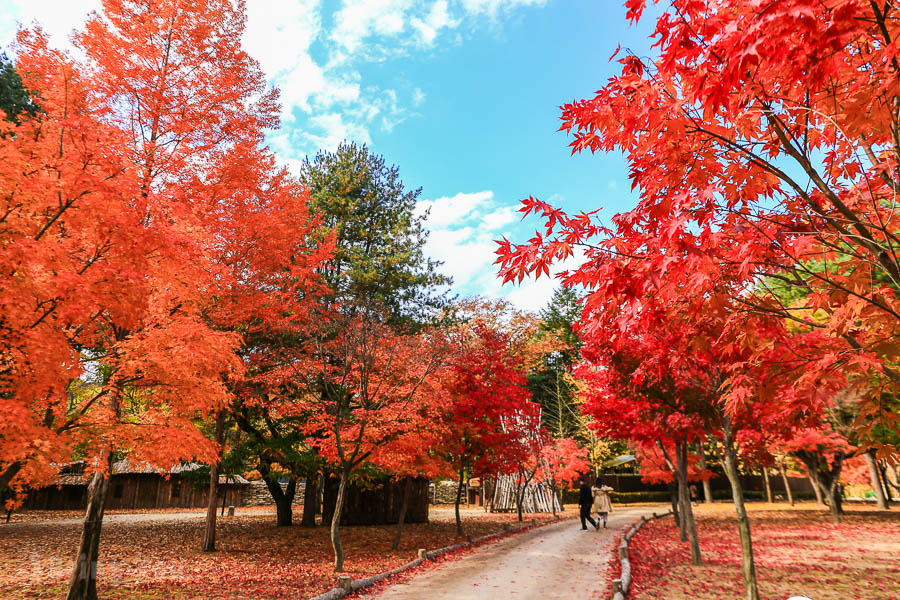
(748, 495)
(633, 497)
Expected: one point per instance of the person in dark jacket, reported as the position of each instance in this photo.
(585, 501)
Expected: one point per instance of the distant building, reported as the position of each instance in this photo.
(136, 486)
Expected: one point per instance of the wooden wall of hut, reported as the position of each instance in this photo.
(133, 491)
(377, 505)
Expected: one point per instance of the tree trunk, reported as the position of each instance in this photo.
(209, 539)
(882, 468)
(520, 497)
(407, 489)
(876, 479)
(336, 523)
(819, 500)
(310, 499)
(462, 474)
(768, 484)
(676, 514)
(7, 476)
(284, 499)
(707, 487)
(320, 498)
(83, 584)
(826, 479)
(748, 566)
(224, 496)
(554, 498)
(787, 484)
(687, 511)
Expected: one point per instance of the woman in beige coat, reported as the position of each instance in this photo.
(602, 505)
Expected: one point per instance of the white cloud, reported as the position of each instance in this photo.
(500, 217)
(462, 233)
(331, 129)
(58, 19)
(430, 26)
(494, 7)
(452, 211)
(358, 19)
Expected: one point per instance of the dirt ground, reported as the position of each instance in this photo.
(798, 551)
(155, 555)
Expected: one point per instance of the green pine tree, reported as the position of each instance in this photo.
(379, 257)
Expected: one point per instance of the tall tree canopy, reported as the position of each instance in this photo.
(379, 237)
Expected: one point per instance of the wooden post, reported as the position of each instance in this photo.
(230, 511)
(344, 582)
(422, 553)
(617, 586)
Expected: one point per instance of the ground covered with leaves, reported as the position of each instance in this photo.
(161, 559)
(799, 552)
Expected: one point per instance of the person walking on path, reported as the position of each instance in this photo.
(602, 504)
(585, 502)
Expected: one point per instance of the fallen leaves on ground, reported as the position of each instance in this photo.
(799, 552)
(161, 559)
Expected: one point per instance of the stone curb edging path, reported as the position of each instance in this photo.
(349, 586)
(623, 583)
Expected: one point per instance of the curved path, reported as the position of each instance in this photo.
(554, 561)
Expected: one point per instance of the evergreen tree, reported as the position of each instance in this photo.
(553, 385)
(378, 259)
(15, 99)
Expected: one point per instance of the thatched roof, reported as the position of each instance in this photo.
(73, 473)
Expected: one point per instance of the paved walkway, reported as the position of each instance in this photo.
(555, 561)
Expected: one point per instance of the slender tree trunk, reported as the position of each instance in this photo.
(554, 498)
(407, 489)
(682, 518)
(520, 495)
(787, 484)
(676, 514)
(224, 496)
(748, 565)
(834, 502)
(707, 487)
(815, 486)
(687, 511)
(321, 493)
(826, 480)
(310, 499)
(336, 523)
(209, 539)
(7, 476)
(83, 584)
(462, 474)
(882, 468)
(876, 479)
(768, 484)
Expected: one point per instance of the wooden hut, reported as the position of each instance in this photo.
(377, 504)
(136, 486)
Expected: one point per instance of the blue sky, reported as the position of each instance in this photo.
(462, 95)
